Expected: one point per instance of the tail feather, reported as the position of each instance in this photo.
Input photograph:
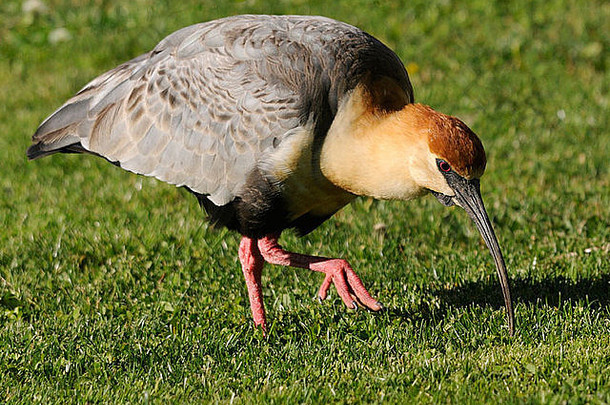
(67, 145)
(67, 130)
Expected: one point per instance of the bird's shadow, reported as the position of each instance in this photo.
(551, 291)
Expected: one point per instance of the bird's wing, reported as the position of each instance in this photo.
(191, 112)
(202, 107)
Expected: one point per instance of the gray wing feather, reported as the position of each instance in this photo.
(204, 105)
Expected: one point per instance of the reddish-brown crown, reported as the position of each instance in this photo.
(450, 139)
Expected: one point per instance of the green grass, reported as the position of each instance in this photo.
(113, 289)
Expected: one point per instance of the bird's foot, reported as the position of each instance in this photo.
(253, 254)
(338, 272)
(349, 286)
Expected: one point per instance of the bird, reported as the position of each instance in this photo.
(275, 123)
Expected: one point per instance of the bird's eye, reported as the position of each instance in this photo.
(444, 166)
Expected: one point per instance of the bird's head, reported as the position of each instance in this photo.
(450, 170)
(448, 154)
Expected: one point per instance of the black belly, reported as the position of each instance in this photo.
(260, 210)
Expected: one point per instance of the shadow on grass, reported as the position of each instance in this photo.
(555, 292)
(550, 291)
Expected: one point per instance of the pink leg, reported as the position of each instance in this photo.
(252, 265)
(338, 271)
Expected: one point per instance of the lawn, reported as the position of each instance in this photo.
(113, 289)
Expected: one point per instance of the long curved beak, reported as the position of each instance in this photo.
(468, 196)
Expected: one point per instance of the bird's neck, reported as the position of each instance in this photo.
(371, 153)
